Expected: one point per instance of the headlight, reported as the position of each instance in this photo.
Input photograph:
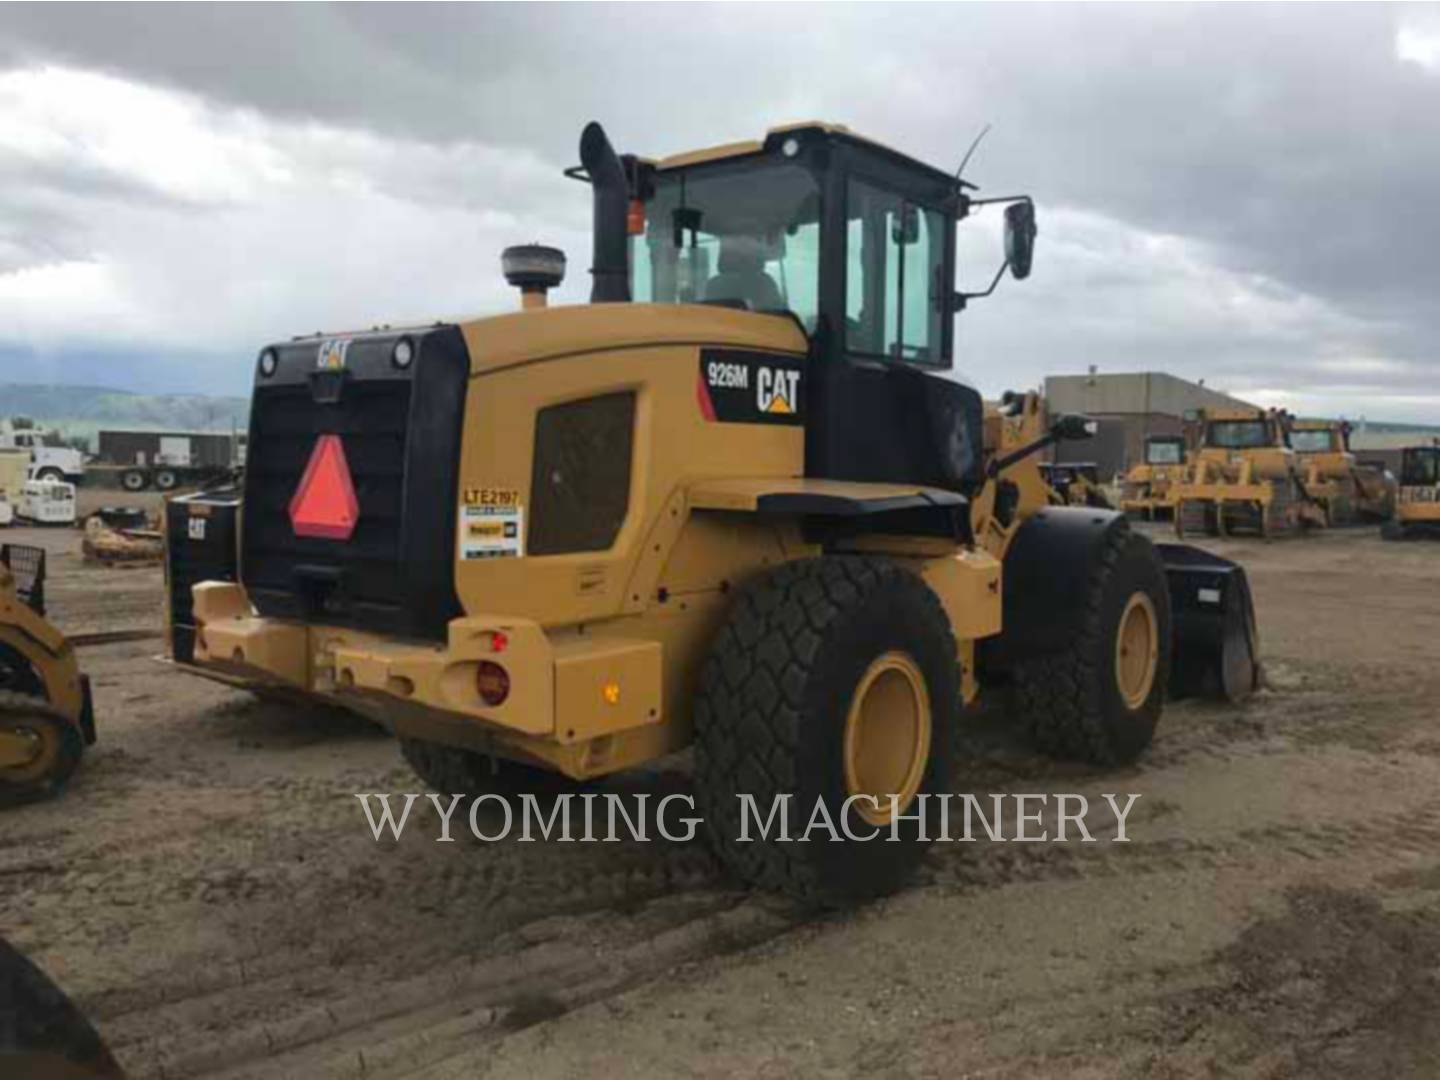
(403, 353)
(268, 363)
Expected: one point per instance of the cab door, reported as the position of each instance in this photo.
(884, 408)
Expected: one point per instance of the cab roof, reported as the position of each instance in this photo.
(821, 128)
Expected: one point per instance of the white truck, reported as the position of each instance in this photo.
(164, 460)
(50, 457)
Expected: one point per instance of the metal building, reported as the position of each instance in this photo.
(1129, 406)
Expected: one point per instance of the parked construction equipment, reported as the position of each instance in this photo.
(1243, 476)
(1346, 491)
(731, 502)
(1417, 503)
(1148, 489)
(1076, 483)
(46, 719)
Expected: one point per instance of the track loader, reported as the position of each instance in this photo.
(1148, 489)
(46, 719)
(1417, 503)
(1243, 476)
(1076, 483)
(1346, 491)
(734, 502)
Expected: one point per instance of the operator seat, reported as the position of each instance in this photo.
(742, 277)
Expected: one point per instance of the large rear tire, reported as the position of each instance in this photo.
(833, 682)
(1099, 699)
(449, 770)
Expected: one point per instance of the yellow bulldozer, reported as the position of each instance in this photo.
(1346, 491)
(1075, 483)
(46, 718)
(1417, 502)
(733, 503)
(1243, 476)
(1148, 489)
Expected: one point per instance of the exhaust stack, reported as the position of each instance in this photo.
(610, 266)
(534, 269)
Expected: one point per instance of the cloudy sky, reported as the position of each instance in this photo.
(1244, 194)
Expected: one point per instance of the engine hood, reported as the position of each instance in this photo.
(526, 337)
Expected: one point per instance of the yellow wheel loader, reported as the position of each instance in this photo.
(1243, 476)
(46, 720)
(1417, 503)
(734, 502)
(1148, 489)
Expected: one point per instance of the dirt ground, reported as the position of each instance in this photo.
(209, 892)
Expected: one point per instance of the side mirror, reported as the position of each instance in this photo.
(1020, 238)
(1072, 427)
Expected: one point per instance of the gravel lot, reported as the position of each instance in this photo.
(210, 894)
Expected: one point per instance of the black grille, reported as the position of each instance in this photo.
(200, 545)
(580, 480)
(400, 428)
(27, 567)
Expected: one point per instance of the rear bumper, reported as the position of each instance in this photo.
(566, 688)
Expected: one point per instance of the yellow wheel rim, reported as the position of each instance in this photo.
(1137, 650)
(41, 755)
(887, 736)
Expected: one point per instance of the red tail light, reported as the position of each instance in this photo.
(324, 504)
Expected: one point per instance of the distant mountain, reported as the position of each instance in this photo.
(82, 410)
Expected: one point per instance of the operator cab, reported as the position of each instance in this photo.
(1420, 467)
(853, 240)
(1165, 450)
(1247, 434)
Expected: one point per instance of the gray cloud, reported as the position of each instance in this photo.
(1244, 191)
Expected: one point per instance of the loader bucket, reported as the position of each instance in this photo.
(1216, 647)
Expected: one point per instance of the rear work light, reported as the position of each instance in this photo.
(324, 504)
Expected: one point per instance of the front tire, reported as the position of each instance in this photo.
(57, 748)
(1098, 700)
(833, 681)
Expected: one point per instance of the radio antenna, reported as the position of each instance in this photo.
(966, 159)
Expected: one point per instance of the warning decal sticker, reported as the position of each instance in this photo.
(492, 524)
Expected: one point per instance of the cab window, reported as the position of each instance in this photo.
(1310, 442)
(1420, 468)
(1240, 434)
(895, 294)
(1163, 453)
(744, 236)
